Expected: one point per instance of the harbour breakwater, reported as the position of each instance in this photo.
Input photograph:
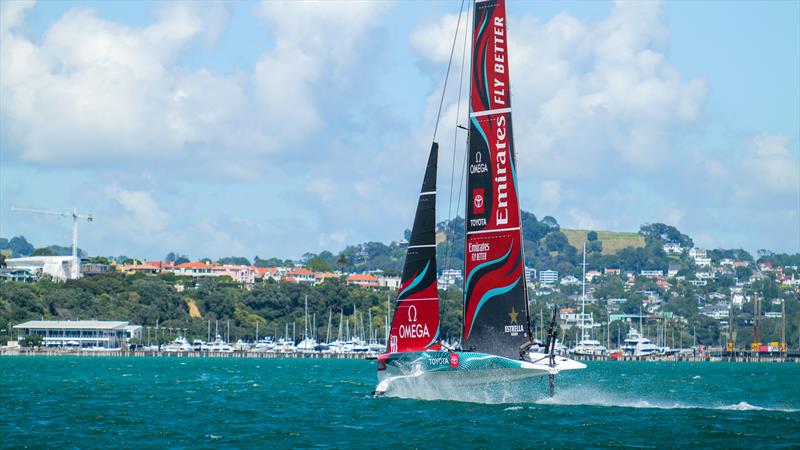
(771, 358)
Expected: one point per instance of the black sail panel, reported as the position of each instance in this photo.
(415, 325)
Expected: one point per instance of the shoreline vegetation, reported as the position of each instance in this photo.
(683, 296)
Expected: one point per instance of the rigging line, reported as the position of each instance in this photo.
(447, 75)
(449, 253)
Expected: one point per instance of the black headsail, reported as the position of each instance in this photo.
(496, 317)
(415, 325)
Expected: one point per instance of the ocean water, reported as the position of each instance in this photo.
(82, 402)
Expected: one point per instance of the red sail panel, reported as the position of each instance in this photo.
(415, 325)
(496, 316)
(490, 80)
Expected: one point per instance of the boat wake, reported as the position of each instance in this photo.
(532, 392)
(593, 397)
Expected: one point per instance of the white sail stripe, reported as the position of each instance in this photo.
(495, 230)
(427, 193)
(421, 246)
(491, 111)
(415, 299)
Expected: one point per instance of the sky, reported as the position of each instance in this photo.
(279, 128)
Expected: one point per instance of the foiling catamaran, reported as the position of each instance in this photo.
(497, 341)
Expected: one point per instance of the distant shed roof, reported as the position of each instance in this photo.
(72, 325)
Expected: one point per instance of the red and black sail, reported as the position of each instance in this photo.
(415, 325)
(496, 319)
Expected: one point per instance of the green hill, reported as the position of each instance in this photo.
(613, 241)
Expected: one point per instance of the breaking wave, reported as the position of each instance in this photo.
(581, 396)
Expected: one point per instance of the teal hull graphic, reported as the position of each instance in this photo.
(459, 368)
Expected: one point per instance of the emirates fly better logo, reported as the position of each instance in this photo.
(478, 203)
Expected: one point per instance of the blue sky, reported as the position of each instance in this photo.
(272, 129)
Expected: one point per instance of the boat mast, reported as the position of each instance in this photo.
(328, 336)
(583, 295)
(341, 319)
(305, 321)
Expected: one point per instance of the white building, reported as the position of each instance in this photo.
(702, 262)
(697, 253)
(390, 282)
(530, 275)
(61, 268)
(449, 277)
(652, 273)
(672, 248)
(79, 333)
(548, 277)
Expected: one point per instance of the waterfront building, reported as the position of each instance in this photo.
(78, 333)
(59, 267)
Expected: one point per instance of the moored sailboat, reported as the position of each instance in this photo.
(496, 335)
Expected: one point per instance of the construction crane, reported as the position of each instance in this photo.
(75, 216)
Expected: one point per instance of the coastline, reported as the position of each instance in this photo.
(788, 358)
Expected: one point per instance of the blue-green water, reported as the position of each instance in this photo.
(71, 402)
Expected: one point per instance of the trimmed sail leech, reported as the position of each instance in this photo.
(496, 319)
(415, 325)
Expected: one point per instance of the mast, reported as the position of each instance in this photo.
(328, 335)
(583, 295)
(496, 316)
(341, 319)
(305, 320)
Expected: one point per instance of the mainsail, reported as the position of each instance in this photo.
(496, 318)
(415, 325)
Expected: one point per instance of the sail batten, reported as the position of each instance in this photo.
(415, 324)
(496, 317)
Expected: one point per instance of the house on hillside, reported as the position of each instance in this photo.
(301, 275)
(196, 269)
(363, 280)
(239, 274)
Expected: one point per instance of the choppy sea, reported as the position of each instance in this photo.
(132, 403)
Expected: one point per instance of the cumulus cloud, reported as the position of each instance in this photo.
(598, 108)
(435, 40)
(141, 207)
(771, 163)
(93, 91)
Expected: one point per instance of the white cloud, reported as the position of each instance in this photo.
(771, 163)
(144, 214)
(435, 40)
(93, 91)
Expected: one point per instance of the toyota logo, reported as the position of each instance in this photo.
(478, 201)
